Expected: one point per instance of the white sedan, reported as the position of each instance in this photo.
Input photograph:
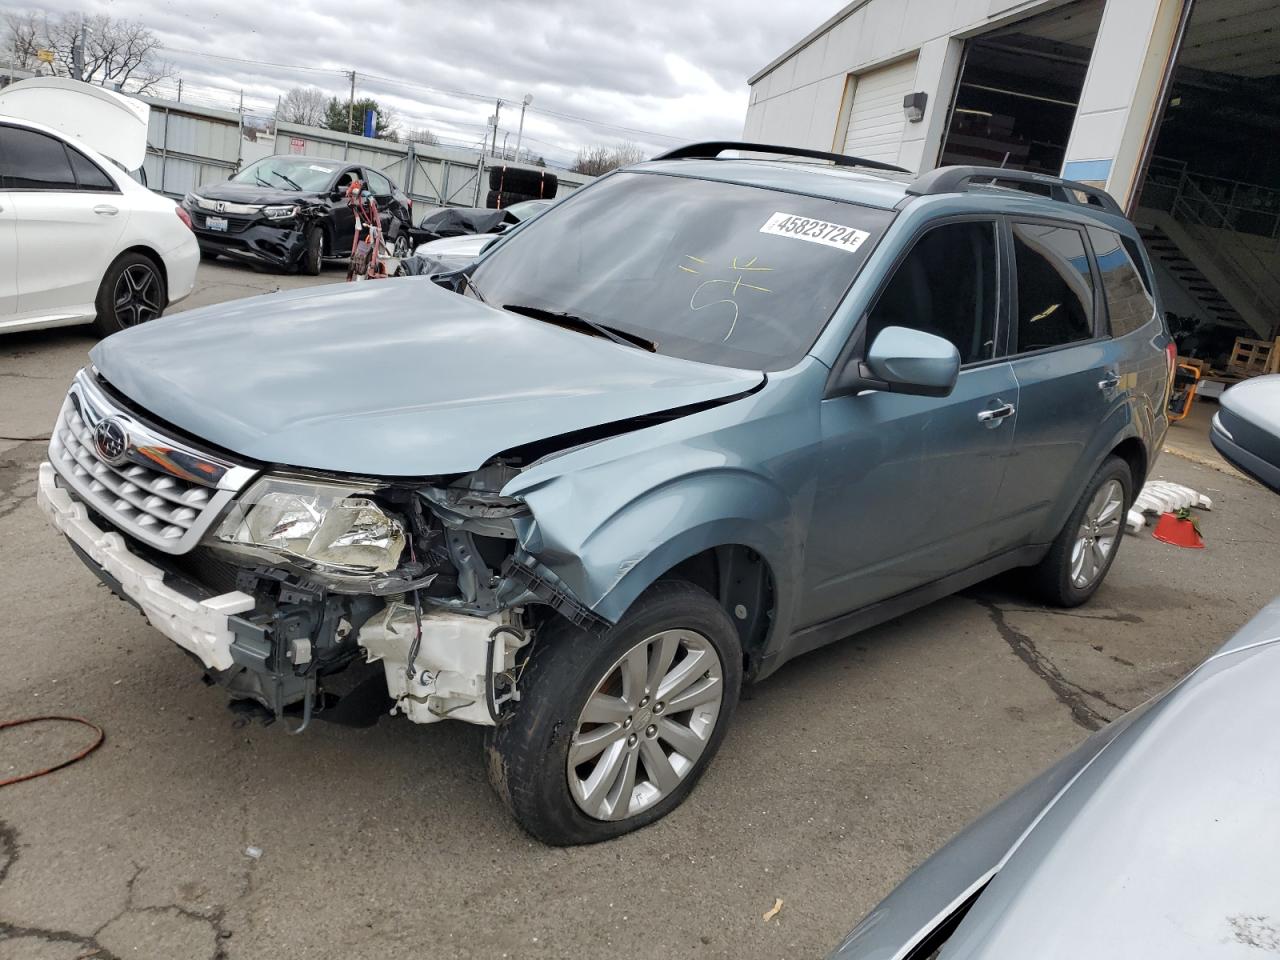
(80, 240)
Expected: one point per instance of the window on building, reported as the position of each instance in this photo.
(947, 286)
(1055, 288)
(33, 161)
(1128, 304)
(88, 174)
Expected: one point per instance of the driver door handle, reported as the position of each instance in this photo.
(999, 413)
(1109, 382)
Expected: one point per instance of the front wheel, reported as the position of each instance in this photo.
(612, 732)
(313, 252)
(400, 249)
(1084, 550)
(133, 291)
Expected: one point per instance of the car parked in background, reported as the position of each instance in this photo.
(461, 234)
(80, 240)
(291, 212)
(704, 415)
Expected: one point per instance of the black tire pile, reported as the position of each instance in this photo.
(508, 185)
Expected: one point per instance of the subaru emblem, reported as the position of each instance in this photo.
(111, 440)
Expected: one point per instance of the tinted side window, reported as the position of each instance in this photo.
(88, 174)
(33, 161)
(1128, 303)
(379, 184)
(946, 286)
(1055, 288)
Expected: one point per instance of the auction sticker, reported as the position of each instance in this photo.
(835, 235)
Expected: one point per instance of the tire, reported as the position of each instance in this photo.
(528, 753)
(493, 199)
(401, 247)
(132, 291)
(535, 183)
(313, 254)
(1074, 554)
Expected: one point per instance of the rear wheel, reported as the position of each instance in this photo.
(613, 732)
(1083, 552)
(132, 292)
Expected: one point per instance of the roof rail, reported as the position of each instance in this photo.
(713, 148)
(957, 179)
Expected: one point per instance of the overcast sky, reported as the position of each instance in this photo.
(658, 71)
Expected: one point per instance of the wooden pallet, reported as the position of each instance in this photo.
(1252, 358)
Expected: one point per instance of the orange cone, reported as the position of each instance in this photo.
(1180, 532)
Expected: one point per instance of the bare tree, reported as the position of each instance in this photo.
(122, 54)
(600, 159)
(305, 105)
(21, 31)
(423, 135)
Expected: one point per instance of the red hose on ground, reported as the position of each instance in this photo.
(57, 766)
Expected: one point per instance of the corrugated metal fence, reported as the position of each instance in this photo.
(189, 145)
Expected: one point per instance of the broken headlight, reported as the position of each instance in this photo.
(330, 526)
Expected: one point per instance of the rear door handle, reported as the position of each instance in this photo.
(996, 415)
(106, 210)
(1109, 382)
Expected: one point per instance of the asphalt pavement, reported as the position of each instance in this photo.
(191, 834)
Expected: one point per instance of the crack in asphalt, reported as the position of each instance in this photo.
(90, 947)
(13, 473)
(1071, 695)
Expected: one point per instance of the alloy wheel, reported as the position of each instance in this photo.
(401, 247)
(137, 296)
(646, 724)
(1096, 537)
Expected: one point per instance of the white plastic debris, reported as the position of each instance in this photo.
(253, 853)
(1161, 496)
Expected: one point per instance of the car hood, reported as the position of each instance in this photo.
(103, 120)
(252, 193)
(1166, 844)
(1155, 837)
(390, 378)
(466, 247)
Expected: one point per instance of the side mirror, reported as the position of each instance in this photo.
(902, 360)
(1246, 429)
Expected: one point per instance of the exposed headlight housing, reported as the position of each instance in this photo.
(329, 527)
(280, 211)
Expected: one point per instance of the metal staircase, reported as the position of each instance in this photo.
(1184, 227)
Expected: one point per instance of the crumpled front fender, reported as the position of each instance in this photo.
(608, 540)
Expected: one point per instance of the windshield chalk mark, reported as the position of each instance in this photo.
(738, 282)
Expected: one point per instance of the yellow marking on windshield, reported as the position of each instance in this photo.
(686, 269)
(689, 256)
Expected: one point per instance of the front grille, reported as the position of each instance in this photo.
(163, 492)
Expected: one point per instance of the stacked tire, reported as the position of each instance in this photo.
(508, 185)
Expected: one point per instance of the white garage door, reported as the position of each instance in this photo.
(876, 118)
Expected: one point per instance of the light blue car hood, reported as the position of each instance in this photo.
(395, 378)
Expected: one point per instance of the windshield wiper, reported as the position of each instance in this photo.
(292, 183)
(624, 337)
(471, 285)
(265, 183)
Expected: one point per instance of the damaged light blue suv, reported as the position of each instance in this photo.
(700, 417)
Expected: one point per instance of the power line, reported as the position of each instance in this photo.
(439, 90)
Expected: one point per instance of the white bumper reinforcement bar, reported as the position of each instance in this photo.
(199, 626)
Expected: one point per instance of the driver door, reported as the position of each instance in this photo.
(341, 220)
(906, 486)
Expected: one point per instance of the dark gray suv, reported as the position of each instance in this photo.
(698, 418)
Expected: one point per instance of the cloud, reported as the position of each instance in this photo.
(657, 72)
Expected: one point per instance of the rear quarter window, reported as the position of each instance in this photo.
(1129, 304)
(1055, 286)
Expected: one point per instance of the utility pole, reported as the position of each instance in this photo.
(351, 103)
(179, 89)
(505, 137)
(77, 54)
(524, 104)
(497, 109)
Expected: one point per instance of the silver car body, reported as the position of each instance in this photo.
(1157, 837)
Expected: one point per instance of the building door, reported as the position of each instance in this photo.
(876, 119)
